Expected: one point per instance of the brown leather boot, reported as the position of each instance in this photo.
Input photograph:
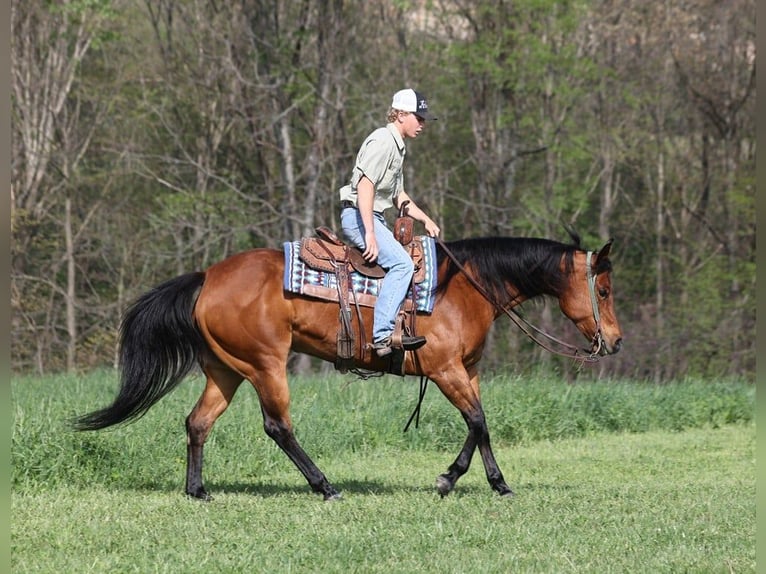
(383, 347)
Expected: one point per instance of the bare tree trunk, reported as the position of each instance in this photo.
(732, 240)
(660, 261)
(608, 193)
(50, 128)
(71, 288)
(330, 70)
(46, 50)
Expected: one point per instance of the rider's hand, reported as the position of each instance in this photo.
(431, 228)
(370, 252)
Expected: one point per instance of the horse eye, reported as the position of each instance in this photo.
(604, 293)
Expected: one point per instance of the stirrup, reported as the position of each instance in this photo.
(384, 347)
(410, 343)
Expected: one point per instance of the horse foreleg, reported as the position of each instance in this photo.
(466, 398)
(478, 435)
(459, 391)
(275, 400)
(492, 470)
(219, 390)
(445, 483)
(494, 476)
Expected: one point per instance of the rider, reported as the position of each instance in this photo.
(377, 184)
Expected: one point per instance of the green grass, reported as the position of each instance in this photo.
(609, 477)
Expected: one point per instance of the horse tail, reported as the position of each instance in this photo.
(159, 345)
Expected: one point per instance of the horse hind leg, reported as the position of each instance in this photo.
(275, 401)
(221, 385)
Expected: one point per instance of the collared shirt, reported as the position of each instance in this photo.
(380, 158)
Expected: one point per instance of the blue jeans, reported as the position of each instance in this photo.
(393, 258)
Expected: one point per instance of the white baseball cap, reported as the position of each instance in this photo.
(408, 100)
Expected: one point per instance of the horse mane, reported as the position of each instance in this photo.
(531, 265)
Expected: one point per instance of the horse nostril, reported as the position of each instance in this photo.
(617, 345)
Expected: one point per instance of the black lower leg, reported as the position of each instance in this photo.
(494, 475)
(445, 483)
(286, 440)
(194, 456)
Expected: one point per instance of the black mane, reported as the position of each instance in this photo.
(531, 265)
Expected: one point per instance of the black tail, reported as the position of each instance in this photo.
(159, 346)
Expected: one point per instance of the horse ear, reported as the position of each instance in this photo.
(572, 233)
(604, 253)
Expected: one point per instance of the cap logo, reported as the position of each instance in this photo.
(408, 100)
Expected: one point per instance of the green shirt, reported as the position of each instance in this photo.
(380, 158)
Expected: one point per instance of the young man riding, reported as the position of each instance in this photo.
(377, 184)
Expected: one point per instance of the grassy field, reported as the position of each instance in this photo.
(609, 477)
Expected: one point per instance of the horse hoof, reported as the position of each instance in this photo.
(443, 485)
(333, 496)
(200, 495)
(507, 494)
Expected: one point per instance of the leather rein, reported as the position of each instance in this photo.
(571, 352)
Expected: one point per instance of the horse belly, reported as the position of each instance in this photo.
(316, 325)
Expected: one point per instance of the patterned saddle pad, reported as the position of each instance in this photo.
(301, 279)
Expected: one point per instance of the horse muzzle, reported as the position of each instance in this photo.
(602, 347)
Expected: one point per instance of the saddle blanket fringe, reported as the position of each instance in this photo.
(300, 279)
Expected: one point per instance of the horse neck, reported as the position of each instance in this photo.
(531, 268)
(476, 300)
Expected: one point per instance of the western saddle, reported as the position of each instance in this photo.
(326, 252)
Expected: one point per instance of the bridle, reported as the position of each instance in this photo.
(571, 351)
(598, 339)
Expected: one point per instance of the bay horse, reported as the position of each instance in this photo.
(236, 322)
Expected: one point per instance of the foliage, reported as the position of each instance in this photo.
(181, 133)
(333, 417)
(617, 477)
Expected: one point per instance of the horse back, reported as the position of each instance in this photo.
(243, 309)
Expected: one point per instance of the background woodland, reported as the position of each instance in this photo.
(155, 137)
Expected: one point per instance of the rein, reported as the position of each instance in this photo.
(573, 352)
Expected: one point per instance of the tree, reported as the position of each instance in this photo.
(166, 139)
(52, 131)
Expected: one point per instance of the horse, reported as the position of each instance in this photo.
(236, 321)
